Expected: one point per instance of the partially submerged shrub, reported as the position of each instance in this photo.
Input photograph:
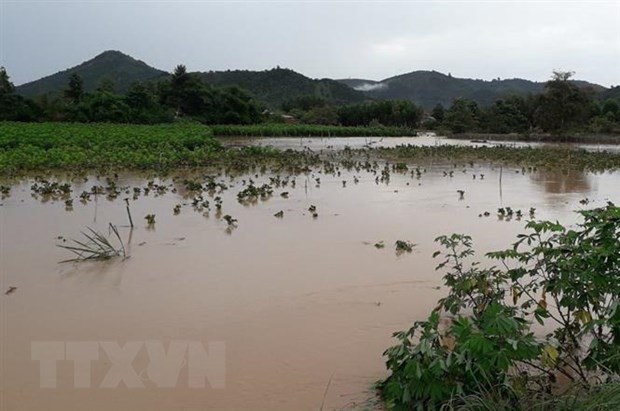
(403, 246)
(479, 338)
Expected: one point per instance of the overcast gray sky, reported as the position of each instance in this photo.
(341, 39)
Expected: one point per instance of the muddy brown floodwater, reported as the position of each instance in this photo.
(299, 304)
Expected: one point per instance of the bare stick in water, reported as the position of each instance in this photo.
(501, 170)
(129, 213)
(326, 389)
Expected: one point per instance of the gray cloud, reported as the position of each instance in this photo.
(371, 40)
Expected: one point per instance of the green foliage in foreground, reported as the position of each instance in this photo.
(544, 157)
(307, 130)
(603, 397)
(478, 349)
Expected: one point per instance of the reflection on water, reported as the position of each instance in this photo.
(563, 181)
(296, 299)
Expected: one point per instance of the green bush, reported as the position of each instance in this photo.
(565, 279)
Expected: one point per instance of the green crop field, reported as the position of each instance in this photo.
(34, 146)
(41, 146)
(75, 147)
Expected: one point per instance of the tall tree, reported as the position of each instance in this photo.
(563, 105)
(185, 93)
(6, 87)
(143, 105)
(505, 116)
(462, 116)
(106, 85)
(438, 113)
(387, 113)
(12, 106)
(75, 92)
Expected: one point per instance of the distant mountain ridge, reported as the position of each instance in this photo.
(122, 69)
(279, 85)
(272, 87)
(428, 88)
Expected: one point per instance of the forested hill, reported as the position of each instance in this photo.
(120, 68)
(272, 87)
(429, 88)
(612, 93)
(277, 86)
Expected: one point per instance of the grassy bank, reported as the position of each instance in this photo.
(308, 130)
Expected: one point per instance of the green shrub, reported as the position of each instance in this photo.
(565, 279)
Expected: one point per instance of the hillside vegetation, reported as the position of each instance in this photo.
(278, 86)
(271, 87)
(559, 106)
(115, 66)
(428, 88)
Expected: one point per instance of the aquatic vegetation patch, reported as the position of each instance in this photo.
(96, 246)
(403, 246)
(230, 220)
(150, 219)
(252, 193)
(51, 188)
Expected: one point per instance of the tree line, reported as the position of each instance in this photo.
(562, 107)
(182, 95)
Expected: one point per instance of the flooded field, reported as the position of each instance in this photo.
(427, 139)
(303, 303)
